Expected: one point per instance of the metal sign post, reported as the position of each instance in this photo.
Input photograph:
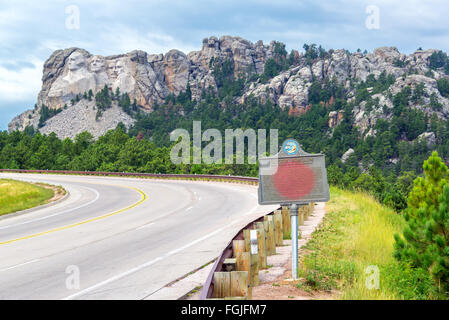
(293, 177)
(294, 223)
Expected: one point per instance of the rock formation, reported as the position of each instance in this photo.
(335, 118)
(147, 78)
(151, 78)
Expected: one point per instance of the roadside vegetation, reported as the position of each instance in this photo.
(355, 239)
(18, 195)
(365, 250)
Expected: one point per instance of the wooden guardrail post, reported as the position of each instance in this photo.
(261, 242)
(305, 210)
(238, 246)
(311, 208)
(254, 273)
(254, 258)
(278, 234)
(247, 239)
(286, 227)
(272, 239)
(239, 284)
(222, 284)
(308, 209)
(243, 263)
(269, 230)
(301, 215)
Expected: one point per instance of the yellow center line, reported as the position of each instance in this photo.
(143, 199)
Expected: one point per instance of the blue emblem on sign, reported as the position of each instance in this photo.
(290, 147)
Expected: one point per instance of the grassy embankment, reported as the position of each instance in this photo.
(18, 195)
(357, 232)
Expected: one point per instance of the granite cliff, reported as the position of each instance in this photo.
(148, 79)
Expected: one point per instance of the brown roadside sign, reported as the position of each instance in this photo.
(292, 176)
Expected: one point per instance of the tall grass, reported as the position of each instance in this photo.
(357, 232)
(18, 195)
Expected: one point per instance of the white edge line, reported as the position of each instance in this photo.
(148, 263)
(140, 267)
(145, 226)
(97, 196)
(19, 265)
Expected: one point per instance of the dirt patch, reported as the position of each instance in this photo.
(287, 292)
(58, 191)
(277, 290)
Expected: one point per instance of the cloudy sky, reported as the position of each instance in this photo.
(31, 30)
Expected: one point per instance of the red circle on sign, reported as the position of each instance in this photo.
(293, 179)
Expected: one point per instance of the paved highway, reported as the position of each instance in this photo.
(118, 238)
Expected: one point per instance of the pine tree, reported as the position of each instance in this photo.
(425, 241)
(125, 103)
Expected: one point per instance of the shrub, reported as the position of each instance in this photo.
(425, 241)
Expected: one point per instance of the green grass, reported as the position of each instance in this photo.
(18, 195)
(357, 232)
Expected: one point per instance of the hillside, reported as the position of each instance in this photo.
(376, 116)
(236, 68)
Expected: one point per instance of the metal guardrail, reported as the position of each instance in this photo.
(137, 174)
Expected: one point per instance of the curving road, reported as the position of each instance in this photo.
(118, 238)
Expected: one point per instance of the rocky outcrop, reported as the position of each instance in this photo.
(147, 78)
(151, 78)
(246, 56)
(365, 119)
(27, 118)
(82, 117)
(335, 118)
(290, 88)
(428, 137)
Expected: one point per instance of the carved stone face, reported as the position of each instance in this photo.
(115, 68)
(76, 61)
(97, 64)
(119, 67)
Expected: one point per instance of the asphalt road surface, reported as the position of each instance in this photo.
(118, 238)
